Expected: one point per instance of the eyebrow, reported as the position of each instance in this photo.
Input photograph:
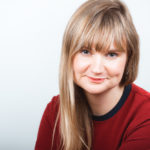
(116, 50)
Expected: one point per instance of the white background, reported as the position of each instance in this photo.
(30, 42)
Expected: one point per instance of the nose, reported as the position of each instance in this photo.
(97, 66)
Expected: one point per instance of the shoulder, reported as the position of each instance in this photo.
(52, 109)
(137, 113)
(54, 103)
(138, 105)
(140, 91)
(139, 97)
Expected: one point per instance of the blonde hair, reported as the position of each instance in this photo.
(98, 23)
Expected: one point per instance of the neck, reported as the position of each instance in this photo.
(104, 102)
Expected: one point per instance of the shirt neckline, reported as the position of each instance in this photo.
(112, 112)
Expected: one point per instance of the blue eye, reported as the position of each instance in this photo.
(112, 54)
(84, 51)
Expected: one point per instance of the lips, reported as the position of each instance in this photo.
(96, 80)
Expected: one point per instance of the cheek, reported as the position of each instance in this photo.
(79, 65)
(116, 68)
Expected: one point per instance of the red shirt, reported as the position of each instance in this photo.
(125, 127)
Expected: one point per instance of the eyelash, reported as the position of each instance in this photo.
(85, 52)
(112, 55)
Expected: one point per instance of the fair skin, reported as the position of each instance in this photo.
(99, 75)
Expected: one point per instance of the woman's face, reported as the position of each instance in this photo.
(96, 72)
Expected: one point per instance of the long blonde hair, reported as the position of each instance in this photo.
(96, 22)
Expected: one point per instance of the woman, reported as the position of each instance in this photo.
(99, 106)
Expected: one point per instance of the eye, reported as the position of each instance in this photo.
(112, 54)
(85, 52)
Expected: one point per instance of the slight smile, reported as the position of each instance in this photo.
(96, 80)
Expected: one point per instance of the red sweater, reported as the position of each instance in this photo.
(125, 127)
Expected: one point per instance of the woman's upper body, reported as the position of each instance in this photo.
(125, 127)
(99, 62)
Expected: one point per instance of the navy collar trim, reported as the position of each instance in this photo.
(111, 113)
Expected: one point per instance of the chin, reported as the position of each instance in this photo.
(94, 91)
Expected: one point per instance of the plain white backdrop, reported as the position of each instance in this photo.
(31, 34)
